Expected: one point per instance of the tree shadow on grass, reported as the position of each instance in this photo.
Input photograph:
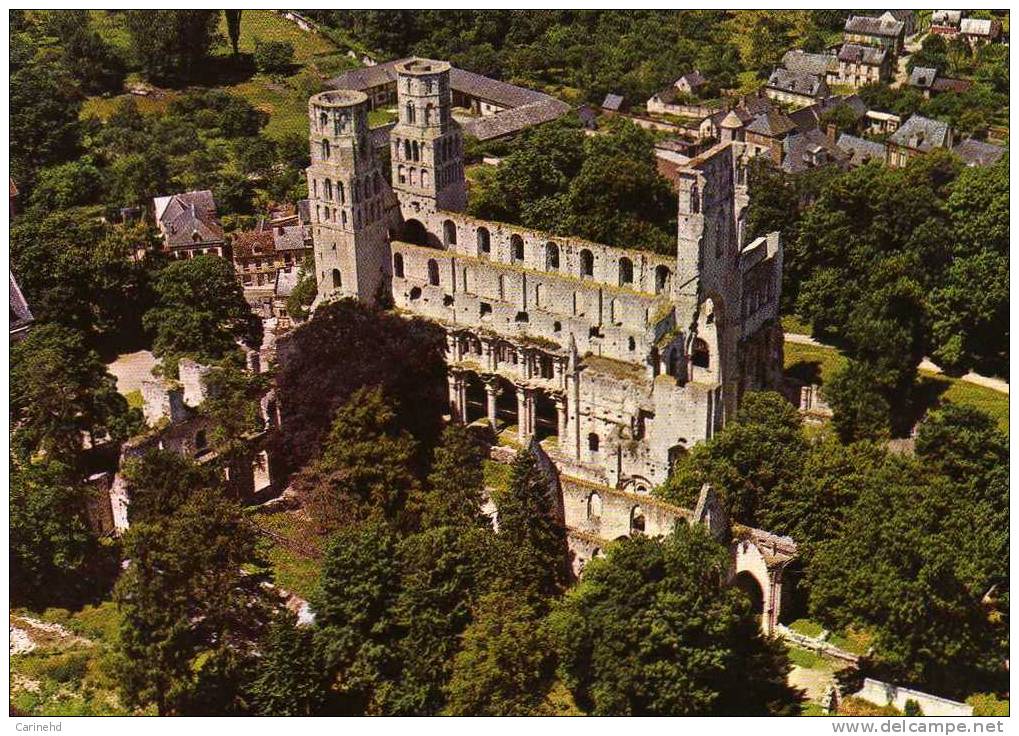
(807, 372)
(926, 395)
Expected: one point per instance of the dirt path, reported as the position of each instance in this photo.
(131, 369)
(28, 634)
(995, 384)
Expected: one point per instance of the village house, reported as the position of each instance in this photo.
(977, 31)
(946, 22)
(906, 17)
(612, 104)
(825, 66)
(860, 151)
(258, 254)
(862, 65)
(21, 318)
(676, 99)
(766, 134)
(882, 123)
(189, 225)
(916, 137)
(884, 32)
(978, 153)
(929, 82)
(795, 88)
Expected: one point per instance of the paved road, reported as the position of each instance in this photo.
(927, 365)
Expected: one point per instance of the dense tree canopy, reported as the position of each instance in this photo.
(605, 188)
(200, 312)
(62, 396)
(190, 617)
(628, 645)
(172, 44)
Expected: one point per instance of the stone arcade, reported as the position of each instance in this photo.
(617, 360)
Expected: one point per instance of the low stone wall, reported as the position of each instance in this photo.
(882, 693)
(815, 644)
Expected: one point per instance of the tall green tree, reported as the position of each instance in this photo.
(172, 44)
(356, 618)
(233, 28)
(753, 462)
(61, 395)
(366, 468)
(507, 661)
(530, 532)
(52, 545)
(456, 483)
(628, 644)
(200, 312)
(160, 482)
(190, 617)
(290, 677)
(43, 123)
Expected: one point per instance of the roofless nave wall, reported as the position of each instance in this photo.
(618, 359)
(625, 356)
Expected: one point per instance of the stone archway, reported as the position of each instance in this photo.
(414, 232)
(748, 585)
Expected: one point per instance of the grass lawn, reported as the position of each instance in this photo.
(792, 323)
(285, 99)
(68, 673)
(806, 627)
(291, 567)
(497, 475)
(816, 364)
(806, 658)
(134, 399)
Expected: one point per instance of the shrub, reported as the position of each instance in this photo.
(273, 57)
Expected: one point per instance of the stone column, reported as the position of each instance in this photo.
(457, 408)
(523, 434)
(560, 410)
(492, 394)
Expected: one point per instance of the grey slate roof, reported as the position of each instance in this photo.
(978, 153)
(188, 219)
(854, 53)
(975, 27)
(810, 149)
(515, 119)
(21, 315)
(860, 150)
(870, 26)
(612, 102)
(922, 77)
(380, 135)
(810, 116)
(285, 282)
(795, 82)
(694, 79)
(772, 123)
(807, 63)
(290, 237)
(921, 134)
(540, 107)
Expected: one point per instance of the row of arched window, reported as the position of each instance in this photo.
(413, 176)
(428, 114)
(552, 256)
(370, 186)
(341, 122)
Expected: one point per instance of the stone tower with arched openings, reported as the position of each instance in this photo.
(426, 145)
(348, 194)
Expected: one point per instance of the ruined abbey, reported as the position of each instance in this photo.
(619, 360)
